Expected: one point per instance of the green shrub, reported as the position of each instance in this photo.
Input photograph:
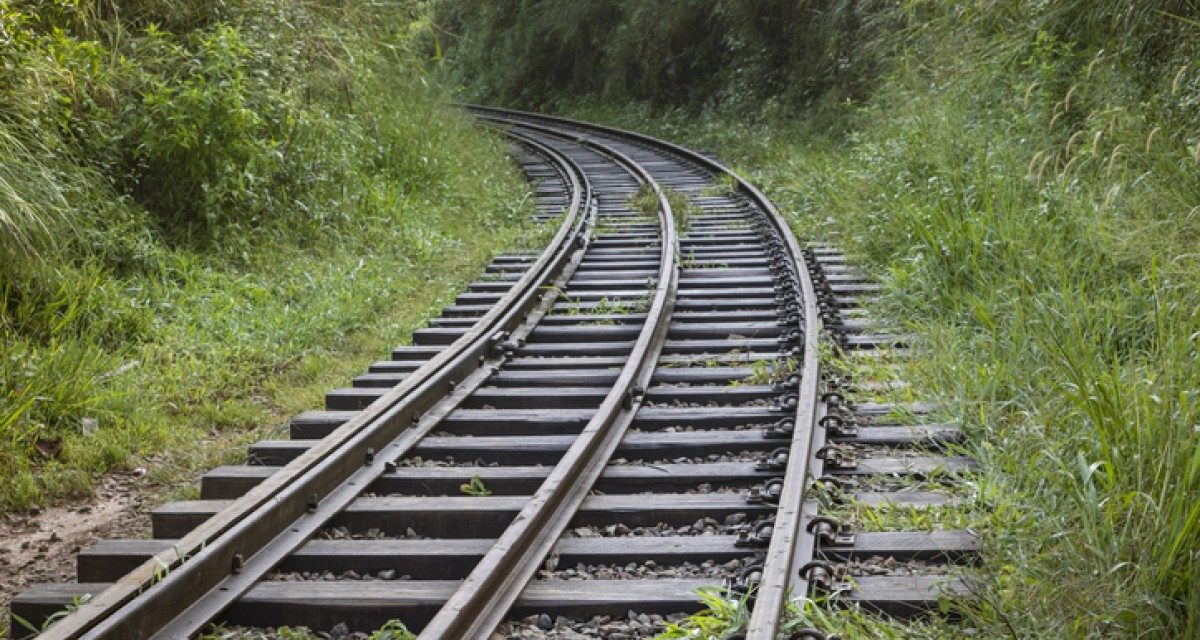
(738, 55)
(203, 207)
(203, 152)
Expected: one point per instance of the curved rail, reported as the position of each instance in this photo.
(225, 556)
(791, 545)
(485, 596)
(160, 597)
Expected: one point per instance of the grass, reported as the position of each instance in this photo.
(763, 372)
(682, 210)
(27, 626)
(723, 186)
(725, 615)
(645, 201)
(207, 223)
(969, 513)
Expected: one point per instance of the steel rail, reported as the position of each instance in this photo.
(229, 590)
(791, 544)
(483, 599)
(145, 600)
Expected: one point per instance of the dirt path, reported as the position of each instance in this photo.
(41, 547)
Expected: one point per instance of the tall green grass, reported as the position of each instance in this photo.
(1053, 274)
(1025, 177)
(199, 203)
(32, 201)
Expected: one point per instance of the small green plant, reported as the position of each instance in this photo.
(393, 630)
(967, 512)
(644, 202)
(723, 185)
(605, 306)
(475, 487)
(76, 602)
(854, 623)
(574, 305)
(161, 570)
(541, 234)
(611, 224)
(768, 371)
(642, 304)
(724, 615)
(682, 210)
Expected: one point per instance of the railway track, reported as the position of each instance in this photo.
(586, 437)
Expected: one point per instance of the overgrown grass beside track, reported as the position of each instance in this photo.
(1026, 178)
(202, 208)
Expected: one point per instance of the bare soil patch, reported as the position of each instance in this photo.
(41, 546)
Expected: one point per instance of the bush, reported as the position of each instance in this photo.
(202, 205)
(203, 153)
(690, 53)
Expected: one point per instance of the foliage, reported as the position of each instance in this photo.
(645, 203)
(73, 606)
(726, 615)
(200, 206)
(475, 487)
(738, 54)
(204, 155)
(764, 372)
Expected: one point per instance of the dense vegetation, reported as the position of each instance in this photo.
(201, 204)
(1025, 175)
(744, 55)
